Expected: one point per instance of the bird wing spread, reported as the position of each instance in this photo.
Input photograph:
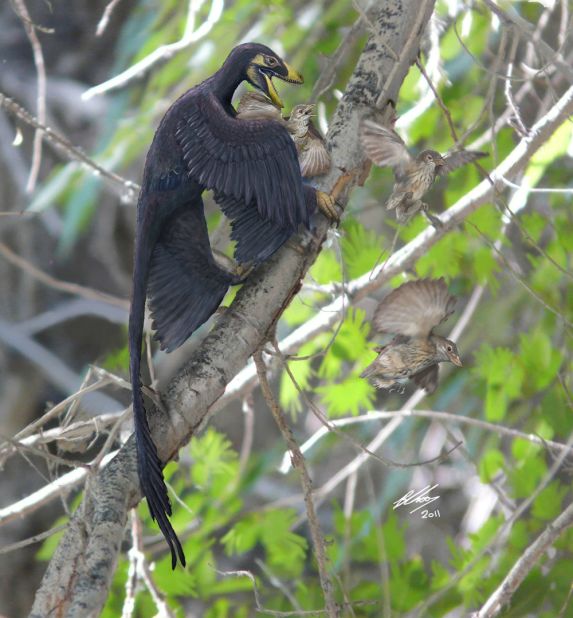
(254, 161)
(415, 308)
(257, 238)
(384, 146)
(457, 159)
(314, 158)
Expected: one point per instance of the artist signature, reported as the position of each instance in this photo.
(421, 498)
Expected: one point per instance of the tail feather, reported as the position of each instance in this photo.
(149, 466)
(185, 287)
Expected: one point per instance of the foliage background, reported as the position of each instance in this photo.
(242, 514)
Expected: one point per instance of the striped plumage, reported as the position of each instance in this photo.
(410, 313)
(414, 176)
(313, 155)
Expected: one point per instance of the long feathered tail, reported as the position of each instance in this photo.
(185, 287)
(149, 467)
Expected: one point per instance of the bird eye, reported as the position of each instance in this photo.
(429, 157)
(271, 62)
(450, 349)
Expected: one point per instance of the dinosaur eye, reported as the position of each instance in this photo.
(271, 62)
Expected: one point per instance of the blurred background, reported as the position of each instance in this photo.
(66, 243)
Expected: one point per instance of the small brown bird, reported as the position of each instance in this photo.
(413, 176)
(254, 105)
(313, 155)
(410, 313)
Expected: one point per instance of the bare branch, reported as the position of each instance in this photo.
(57, 284)
(41, 94)
(163, 53)
(126, 189)
(299, 465)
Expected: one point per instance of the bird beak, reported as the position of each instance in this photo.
(292, 76)
(440, 162)
(272, 91)
(456, 360)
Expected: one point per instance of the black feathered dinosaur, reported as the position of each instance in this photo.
(252, 167)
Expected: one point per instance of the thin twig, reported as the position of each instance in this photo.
(447, 417)
(57, 284)
(103, 22)
(299, 465)
(126, 189)
(41, 94)
(164, 52)
(526, 31)
(31, 540)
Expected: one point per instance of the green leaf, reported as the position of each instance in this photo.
(547, 505)
(361, 248)
(347, 397)
(289, 396)
(214, 461)
(490, 464)
(540, 358)
(326, 268)
(349, 345)
(484, 264)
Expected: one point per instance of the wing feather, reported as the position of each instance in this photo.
(383, 145)
(415, 308)
(266, 171)
(254, 105)
(314, 159)
(457, 159)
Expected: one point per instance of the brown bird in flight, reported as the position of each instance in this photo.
(413, 176)
(313, 155)
(410, 313)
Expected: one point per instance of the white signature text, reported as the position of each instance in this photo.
(421, 498)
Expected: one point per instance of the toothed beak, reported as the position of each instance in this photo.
(293, 76)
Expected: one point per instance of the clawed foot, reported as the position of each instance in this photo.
(433, 219)
(242, 271)
(327, 205)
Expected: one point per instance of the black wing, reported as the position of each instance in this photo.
(252, 161)
(185, 284)
(257, 238)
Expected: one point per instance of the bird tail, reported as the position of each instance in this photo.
(395, 200)
(185, 287)
(149, 466)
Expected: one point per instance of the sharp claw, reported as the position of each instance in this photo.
(328, 205)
